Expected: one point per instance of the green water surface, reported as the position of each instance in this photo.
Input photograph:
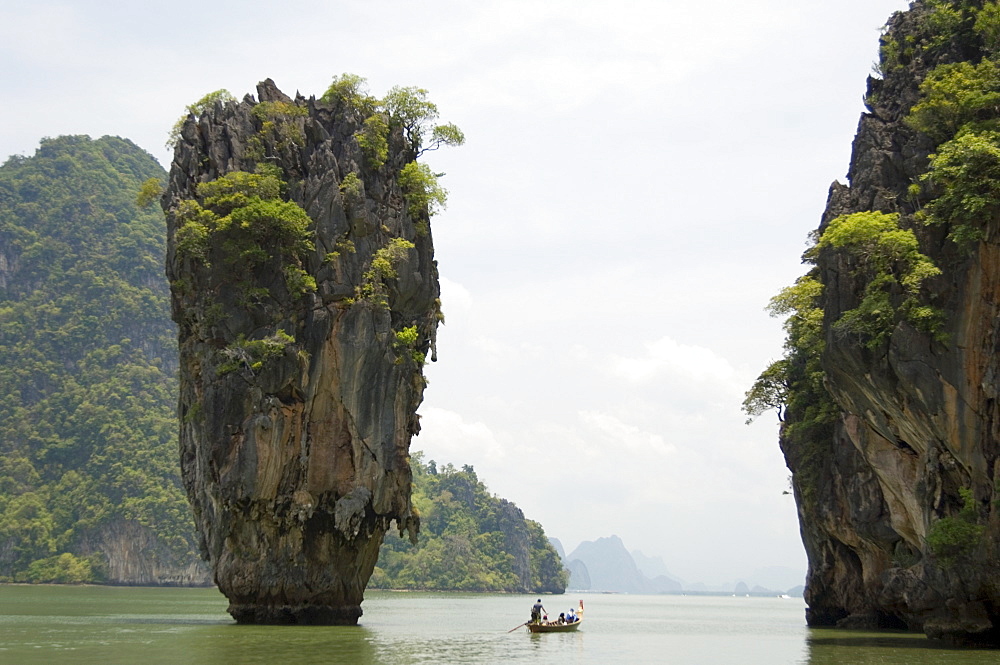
(109, 625)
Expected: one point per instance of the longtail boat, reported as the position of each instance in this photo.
(556, 626)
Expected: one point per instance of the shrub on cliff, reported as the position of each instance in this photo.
(952, 539)
(407, 109)
(196, 109)
(887, 259)
(785, 379)
(966, 170)
(936, 26)
(243, 216)
(959, 108)
(955, 95)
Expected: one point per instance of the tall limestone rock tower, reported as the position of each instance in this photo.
(305, 289)
(891, 386)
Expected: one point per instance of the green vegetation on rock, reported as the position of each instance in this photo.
(470, 540)
(250, 355)
(87, 362)
(422, 190)
(373, 288)
(959, 109)
(955, 96)
(966, 172)
(886, 258)
(243, 217)
(939, 25)
(408, 110)
(953, 539)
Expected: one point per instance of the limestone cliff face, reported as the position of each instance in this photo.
(919, 417)
(134, 556)
(295, 458)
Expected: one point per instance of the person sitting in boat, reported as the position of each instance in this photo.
(536, 611)
(562, 618)
(571, 616)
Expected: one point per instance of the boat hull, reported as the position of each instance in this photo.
(554, 627)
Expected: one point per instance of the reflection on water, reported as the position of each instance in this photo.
(231, 644)
(109, 625)
(832, 647)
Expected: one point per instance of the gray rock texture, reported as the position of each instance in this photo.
(296, 468)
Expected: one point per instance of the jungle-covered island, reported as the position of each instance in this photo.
(90, 485)
(888, 389)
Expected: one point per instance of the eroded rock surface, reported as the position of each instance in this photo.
(294, 451)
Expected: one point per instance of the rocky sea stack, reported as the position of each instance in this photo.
(305, 289)
(890, 389)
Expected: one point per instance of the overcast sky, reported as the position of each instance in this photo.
(639, 179)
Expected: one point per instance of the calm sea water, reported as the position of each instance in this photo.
(107, 626)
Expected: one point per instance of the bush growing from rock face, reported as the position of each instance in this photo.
(966, 170)
(383, 267)
(955, 95)
(251, 355)
(408, 109)
(951, 539)
(242, 213)
(889, 260)
(422, 190)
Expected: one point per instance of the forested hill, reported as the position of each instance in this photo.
(89, 487)
(470, 540)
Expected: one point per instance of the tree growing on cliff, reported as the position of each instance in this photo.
(780, 382)
(244, 217)
(966, 172)
(956, 96)
(954, 538)
(409, 108)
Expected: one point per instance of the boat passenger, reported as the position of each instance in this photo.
(571, 616)
(562, 618)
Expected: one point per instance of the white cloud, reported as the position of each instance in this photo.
(455, 295)
(448, 436)
(667, 356)
(626, 436)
